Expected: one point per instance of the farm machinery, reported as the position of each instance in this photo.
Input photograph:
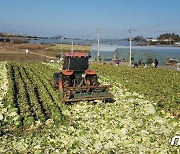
(77, 82)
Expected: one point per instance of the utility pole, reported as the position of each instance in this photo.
(61, 49)
(72, 47)
(98, 31)
(61, 44)
(130, 48)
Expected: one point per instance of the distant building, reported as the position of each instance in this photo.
(177, 43)
(168, 40)
(151, 39)
(7, 34)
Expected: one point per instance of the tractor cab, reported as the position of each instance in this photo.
(76, 61)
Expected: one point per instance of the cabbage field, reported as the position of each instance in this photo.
(143, 118)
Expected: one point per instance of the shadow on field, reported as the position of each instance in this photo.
(110, 100)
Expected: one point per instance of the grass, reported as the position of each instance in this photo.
(68, 47)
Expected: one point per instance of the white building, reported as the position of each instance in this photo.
(177, 43)
(168, 40)
(151, 39)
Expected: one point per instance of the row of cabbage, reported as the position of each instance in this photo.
(159, 85)
(129, 125)
(3, 82)
(31, 99)
(3, 91)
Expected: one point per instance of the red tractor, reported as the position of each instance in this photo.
(77, 82)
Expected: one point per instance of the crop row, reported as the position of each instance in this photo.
(3, 91)
(31, 96)
(159, 85)
(128, 125)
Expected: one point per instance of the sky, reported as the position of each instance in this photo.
(81, 18)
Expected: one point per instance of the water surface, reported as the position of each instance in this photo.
(138, 52)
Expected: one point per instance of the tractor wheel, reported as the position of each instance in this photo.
(54, 84)
(93, 80)
(66, 84)
(88, 82)
(56, 77)
(60, 88)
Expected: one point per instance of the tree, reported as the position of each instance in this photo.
(139, 38)
(171, 37)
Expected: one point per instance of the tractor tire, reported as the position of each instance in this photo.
(66, 84)
(60, 88)
(56, 77)
(92, 80)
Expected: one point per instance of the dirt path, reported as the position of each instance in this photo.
(42, 55)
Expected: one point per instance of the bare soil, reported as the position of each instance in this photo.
(37, 52)
(16, 52)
